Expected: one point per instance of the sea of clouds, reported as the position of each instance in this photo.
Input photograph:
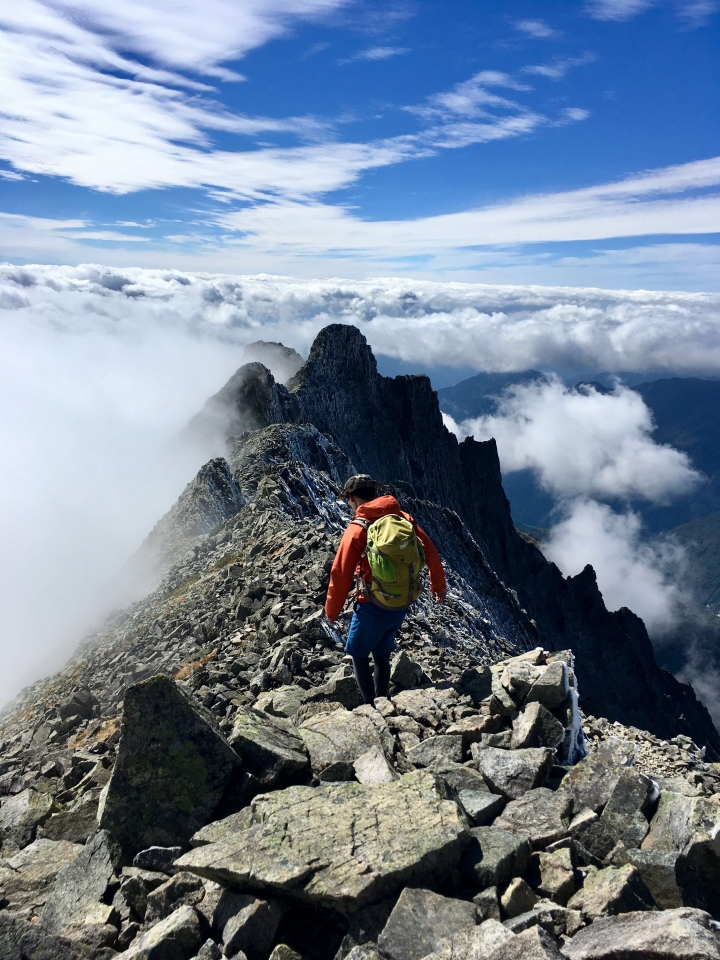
(101, 367)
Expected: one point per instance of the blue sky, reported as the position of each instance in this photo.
(560, 142)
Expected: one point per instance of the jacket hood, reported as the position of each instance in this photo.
(379, 507)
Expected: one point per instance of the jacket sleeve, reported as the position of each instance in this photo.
(343, 570)
(435, 567)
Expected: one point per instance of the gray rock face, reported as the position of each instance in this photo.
(667, 935)
(419, 922)
(436, 751)
(541, 814)
(175, 938)
(340, 846)
(535, 726)
(246, 923)
(610, 891)
(494, 856)
(270, 747)
(21, 815)
(172, 767)
(78, 889)
(511, 773)
(338, 736)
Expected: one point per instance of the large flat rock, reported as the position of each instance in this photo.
(511, 773)
(339, 846)
(683, 934)
(172, 767)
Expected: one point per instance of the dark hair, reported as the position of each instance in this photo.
(365, 493)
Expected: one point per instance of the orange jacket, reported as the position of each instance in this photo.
(349, 559)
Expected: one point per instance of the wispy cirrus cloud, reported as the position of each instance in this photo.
(536, 28)
(375, 53)
(695, 13)
(560, 66)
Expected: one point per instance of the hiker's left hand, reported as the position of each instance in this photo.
(439, 595)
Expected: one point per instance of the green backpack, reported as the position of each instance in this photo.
(396, 559)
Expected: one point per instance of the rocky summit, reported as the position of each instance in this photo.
(201, 779)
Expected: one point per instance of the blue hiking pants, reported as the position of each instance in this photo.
(373, 630)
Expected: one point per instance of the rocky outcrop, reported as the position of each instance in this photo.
(172, 768)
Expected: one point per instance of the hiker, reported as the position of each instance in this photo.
(386, 580)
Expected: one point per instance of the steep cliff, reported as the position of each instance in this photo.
(393, 429)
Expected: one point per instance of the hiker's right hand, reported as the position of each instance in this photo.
(439, 595)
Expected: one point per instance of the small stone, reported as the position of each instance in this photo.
(487, 903)
(610, 891)
(177, 937)
(185, 889)
(420, 920)
(21, 815)
(481, 807)
(658, 869)
(511, 773)
(272, 750)
(518, 898)
(283, 952)
(551, 689)
(436, 750)
(494, 856)
(26, 877)
(518, 678)
(556, 875)
(591, 781)
(283, 702)
(535, 726)
(78, 889)
(372, 767)
(542, 814)
(338, 736)
(246, 923)
(209, 951)
(532, 944)
(473, 943)
(157, 859)
(404, 672)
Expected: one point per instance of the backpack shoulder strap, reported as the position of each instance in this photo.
(365, 524)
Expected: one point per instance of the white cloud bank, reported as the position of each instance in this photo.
(584, 444)
(585, 448)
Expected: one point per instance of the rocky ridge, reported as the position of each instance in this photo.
(201, 779)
